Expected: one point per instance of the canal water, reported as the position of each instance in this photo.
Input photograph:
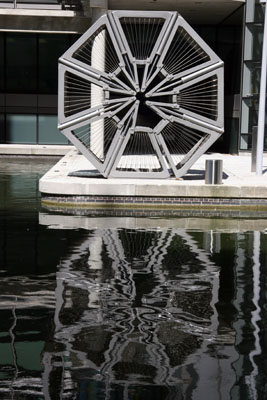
(127, 307)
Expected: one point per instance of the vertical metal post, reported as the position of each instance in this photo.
(218, 171)
(209, 172)
(254, 148)
(261, 117)
(214, 172)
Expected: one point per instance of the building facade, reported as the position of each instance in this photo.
(35, 33)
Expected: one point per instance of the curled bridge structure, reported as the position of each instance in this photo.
(141, 95)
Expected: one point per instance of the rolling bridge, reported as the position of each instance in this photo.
(141, 95)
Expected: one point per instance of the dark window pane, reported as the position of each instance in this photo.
(21, 128)
(2, 74)
(51, 47)
(208, 34)
(48, 132)
(21, 58)
(2, 128)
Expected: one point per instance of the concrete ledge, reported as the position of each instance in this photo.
(46, 21)
(23, 12)
(244, 191)
(34, 150)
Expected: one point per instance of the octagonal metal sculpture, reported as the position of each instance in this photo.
(141, 95)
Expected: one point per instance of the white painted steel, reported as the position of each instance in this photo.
(98, 62)
(109, 77)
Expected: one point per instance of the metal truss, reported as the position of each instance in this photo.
(141, 95)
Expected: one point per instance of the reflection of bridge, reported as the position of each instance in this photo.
(137, 312)
(130, 311)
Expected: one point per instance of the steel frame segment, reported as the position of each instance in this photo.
(112, 81)
(158, 111)
(68, 128)
(133, 110)
(115, 17)
(127, 65)
(180, 22)
(62, 118)
(110, 111)
(155, 63)
(121, 91)
(103, 21)
(172, 80)
(165, 80)
(168, 115)
(149, 68)
(127, 124)
(102, 107)
(114, 173)
(196, 151)
(179, 109)
(219, 120)
(100, 166)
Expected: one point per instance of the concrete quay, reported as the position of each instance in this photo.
(34, 150)
(240, 188)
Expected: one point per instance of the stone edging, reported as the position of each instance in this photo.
(97, 201)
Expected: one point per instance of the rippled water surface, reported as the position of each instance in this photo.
(127, 308)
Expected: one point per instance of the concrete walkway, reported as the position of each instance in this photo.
(240, 187)
(34, 150)
(236, 173)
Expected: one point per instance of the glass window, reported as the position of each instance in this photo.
(21, 59)
(51, 47)
(208, 34)
(21, 128)
(259, 11)
(245, 142)
(48, 132)
(2, 74)
(2, 128)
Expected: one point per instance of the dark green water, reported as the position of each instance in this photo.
(127, 308)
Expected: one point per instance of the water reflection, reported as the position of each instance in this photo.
(131, 308)
(153, 311)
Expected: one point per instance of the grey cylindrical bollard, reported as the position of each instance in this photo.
(209, 172)
(213, 172)
(218, 171)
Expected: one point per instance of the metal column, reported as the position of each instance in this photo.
(261, 118)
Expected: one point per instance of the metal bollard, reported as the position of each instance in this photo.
(213, 172)
(218, 171)
(209, 172)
